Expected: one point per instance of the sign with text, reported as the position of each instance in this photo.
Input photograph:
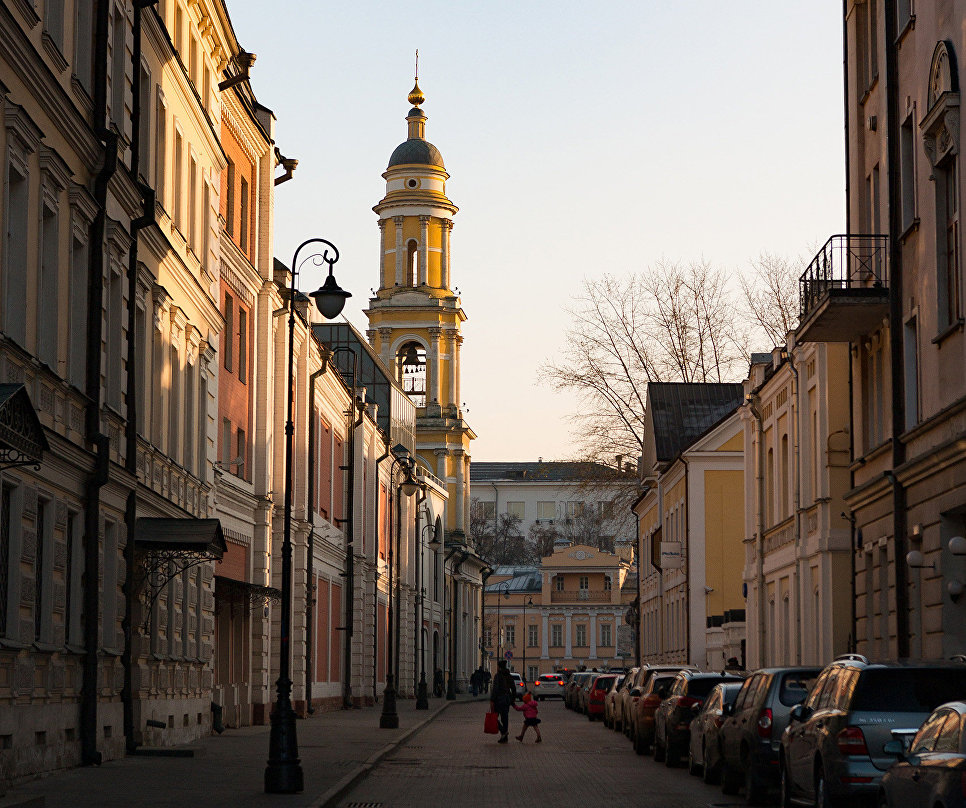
(625, 641)
(672, 558)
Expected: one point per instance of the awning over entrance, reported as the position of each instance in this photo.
(22, 440)
(243, 594)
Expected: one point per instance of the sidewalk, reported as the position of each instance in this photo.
(337, 749)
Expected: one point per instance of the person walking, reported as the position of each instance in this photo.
(475, 683)
(529, 710)
(438, 683)
(502, 698)
(486, 679)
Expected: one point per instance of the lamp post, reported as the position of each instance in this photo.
(527, 602)
(283, 774)
(389, 719)
(422, 696)
(499, 627)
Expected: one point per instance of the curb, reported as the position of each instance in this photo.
(331, 797)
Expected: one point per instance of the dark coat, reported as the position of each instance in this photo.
(504, 690)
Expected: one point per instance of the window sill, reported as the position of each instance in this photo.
(868, 90)
(955, 327)
(911, 228)
(909, 26)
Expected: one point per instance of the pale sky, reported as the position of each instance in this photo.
(580, 138)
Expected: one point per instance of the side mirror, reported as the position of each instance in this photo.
(894, 748)
(799, 713)
(636, 692)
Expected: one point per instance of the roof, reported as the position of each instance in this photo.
(681, 412)
(202, 536)
(545, 472)
(416, 150)
(525, 579)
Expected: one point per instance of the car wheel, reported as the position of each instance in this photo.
(671, 756)
(755, 790)
(822, 799)
(709, 773)
(730, 779)
(883, 801)
(693, 767)
(785, 787)
(660, 753)
(639, 746)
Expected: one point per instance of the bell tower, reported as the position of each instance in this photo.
(415, 317)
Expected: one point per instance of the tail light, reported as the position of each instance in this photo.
(851, 741)
(765, 722)
(536, 684)
(651, 701)
(560, 682)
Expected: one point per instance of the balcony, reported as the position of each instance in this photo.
(580, 595)
(844, 292)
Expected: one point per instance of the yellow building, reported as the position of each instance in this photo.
(566, 613)
(691, 525)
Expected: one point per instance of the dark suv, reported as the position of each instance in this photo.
(833, 746)
(752, 728)
(672, 720)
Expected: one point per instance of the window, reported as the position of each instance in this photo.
(910, 348)
(118, 65)
(40, 571)
(925, 739)
(574, 509)
(115, 330)
(205, 226)
(174, 407)
(947, 194)
(558, 583)
(510, 633)
(189, 418)
(161, 128)
(489, 510)
(225, 442)
(202, 461)
(907, 172)
(230, 198)
(411, 263)
(546, 510)
(54, 22)
(83, 41)
(179, 29)
(517, 509)
(15, 255)
(6, 495)
(144, 124)
(584, 582)
(242, 449)
(488, 638)
(866, 35)
(556, 635)
(605, 635)
(77, 315)
(193, 60)
(580, 635)
(229, 340)
(178, 189)
(244, 224)
(607, 583)
(242, 344)
(532, 636)
(784, 472)
(69, 575)
(903, 14)
(193, 204)
(948, 740)
(47, 322)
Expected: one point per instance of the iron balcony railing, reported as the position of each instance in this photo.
(589, 595)
(846, 262)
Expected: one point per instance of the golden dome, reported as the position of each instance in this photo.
(416, 96)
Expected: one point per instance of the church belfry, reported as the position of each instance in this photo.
(415, 317)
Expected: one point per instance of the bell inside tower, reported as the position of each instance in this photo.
(411, 363)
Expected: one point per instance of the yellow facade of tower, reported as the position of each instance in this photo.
(415, 317)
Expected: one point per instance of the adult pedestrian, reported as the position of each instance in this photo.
(486, 679)
(502, 698)
(438, 683)
(474, 683)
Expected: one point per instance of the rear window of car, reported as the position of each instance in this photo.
(908, 690)
(699, 687)
(603, 682)
(657, 682)
(795, 687)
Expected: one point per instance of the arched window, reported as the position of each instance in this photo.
(411, 370)
(411, 259)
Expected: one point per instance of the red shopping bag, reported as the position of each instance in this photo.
(489, 725)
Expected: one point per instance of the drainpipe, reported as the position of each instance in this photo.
(662, 650)
(797, 505)
(687, 569)
(99, 477)
(896, 349)
(146, 219)
(418, 600)
(350, 546)
(753, 401)
(375, 585)
(310, 599)
(447, 630)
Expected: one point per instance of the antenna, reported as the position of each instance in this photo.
(417, 64)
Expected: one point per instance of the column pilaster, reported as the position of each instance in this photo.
(435, 365)
(400, 253)
(544, 638)
(568, 651)
(444, 261)
(593, 635)
(382, 252)
(423, 250)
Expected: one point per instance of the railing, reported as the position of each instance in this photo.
(845, 262)
(586, 595)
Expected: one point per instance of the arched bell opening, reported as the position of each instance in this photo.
(412, 253)
(411, 364)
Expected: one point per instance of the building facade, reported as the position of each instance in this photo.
(892, 290)
(797, 566)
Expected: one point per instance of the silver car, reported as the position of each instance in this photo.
(834, 746)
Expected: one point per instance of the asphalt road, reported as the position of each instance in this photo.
(579, 763)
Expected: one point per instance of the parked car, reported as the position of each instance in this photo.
(549, 686)
(933, 771)
(642, 723)
(596, 693)
(672, 719)
(704, 753)
(624, 700)
(571, 694)
(753, 727)
(638, 686)
(610, 700)
(519, 684)
(833, 747)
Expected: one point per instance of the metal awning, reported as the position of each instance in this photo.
(243, 593)
(22, 439)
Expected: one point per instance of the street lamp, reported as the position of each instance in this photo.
(422, 696)
(527, 602)
(409, 486)
(499, 629)
(283, 774)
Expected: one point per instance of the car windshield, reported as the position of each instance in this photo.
(700, 687)
(908, 690)
(603, 682)
(795, 686)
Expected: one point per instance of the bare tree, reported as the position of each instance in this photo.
(498, 539)
(771, 296)
(671, 322)
(541, 541)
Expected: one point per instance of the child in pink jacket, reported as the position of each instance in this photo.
(529, 710)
